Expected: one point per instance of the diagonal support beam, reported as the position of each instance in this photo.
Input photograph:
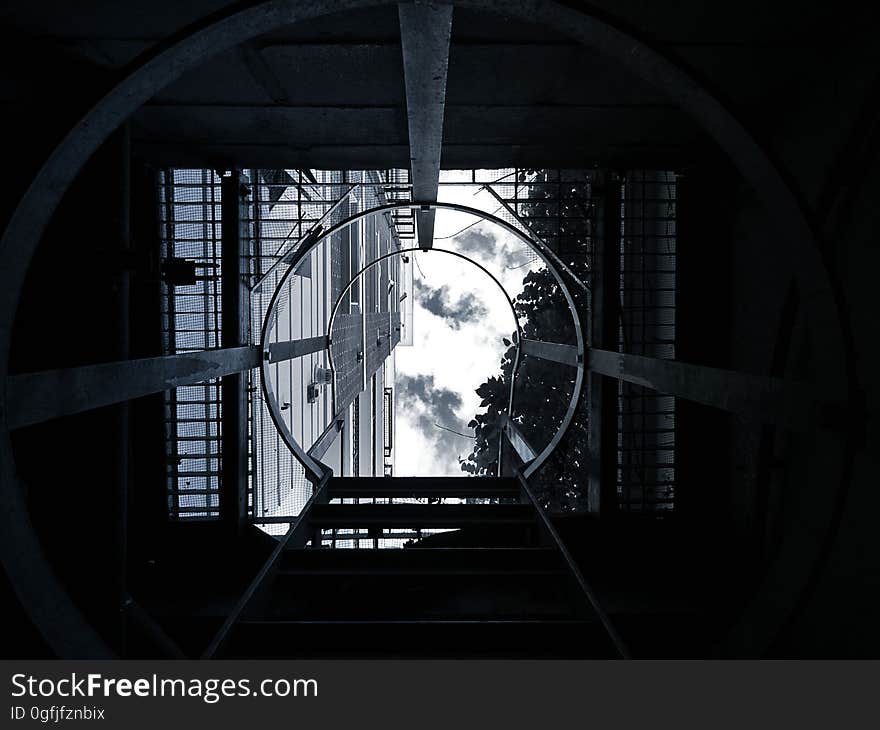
(326, 439)
(553, 351)
(38, 397)
(290, 349)
(523, 448)
(425, 30)
(757, 397)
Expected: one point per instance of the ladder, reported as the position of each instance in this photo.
(501, 585)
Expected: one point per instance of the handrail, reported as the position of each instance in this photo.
(575, 571)
(299, 523)
(315, 468)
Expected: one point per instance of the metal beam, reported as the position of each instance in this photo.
(425, 30)
(605, 313)
(326, 439)
(122, 432)
(42, 396)
(151, 629)
(421, 487)
(290, 349)
(296, 536)
(262, 73)
(38, 397)
(553, 351)
(576, 575)
(35, 584)
(523, 448)
(757, 397)
(418, 515)
(235, 297)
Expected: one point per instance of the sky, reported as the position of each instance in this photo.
(460, 317)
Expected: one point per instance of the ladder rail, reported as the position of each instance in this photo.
(299, 531)
(575, 572)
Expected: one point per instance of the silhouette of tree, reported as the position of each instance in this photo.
(543, 388)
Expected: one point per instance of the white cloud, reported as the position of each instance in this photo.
(459, 359)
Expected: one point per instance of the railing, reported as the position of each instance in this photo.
(575, 572)
(296, 535)
(357, 291)
(307, 400)
(546, 366)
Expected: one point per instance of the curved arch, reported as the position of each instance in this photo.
(35, 584)
(316, 469)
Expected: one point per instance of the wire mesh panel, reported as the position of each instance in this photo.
(284, 211)
(646, 419)
(190, 253)
(286, 206)
(557, 206)
(290, 211)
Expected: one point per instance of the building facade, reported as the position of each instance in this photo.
(340, 411)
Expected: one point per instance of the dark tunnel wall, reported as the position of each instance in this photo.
(739, 483)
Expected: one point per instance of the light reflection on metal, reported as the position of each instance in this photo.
(522, 447)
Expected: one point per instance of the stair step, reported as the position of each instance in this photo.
(421, 561)
(566, 638)
(463, 487)
(419, 515)
(398, 596)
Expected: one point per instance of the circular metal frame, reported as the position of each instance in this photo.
(400, 252)
(34, 582)
(316, 469)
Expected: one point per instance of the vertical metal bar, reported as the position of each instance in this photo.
(611, 339)
(642, 310)
(597, 338)
(171, 446)
(207, 179)
(123, 290)
(233, 388)
(300, 411)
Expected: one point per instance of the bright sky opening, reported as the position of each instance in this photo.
(460, 318)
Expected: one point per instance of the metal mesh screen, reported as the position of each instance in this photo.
(290, 210)
(189, 219)
(646, 420)
(286, 206)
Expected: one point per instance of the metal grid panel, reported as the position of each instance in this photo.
(557, 206)
(283, 207)
(303, 308)
(190, 229)
(286, 206)
(646, 419)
